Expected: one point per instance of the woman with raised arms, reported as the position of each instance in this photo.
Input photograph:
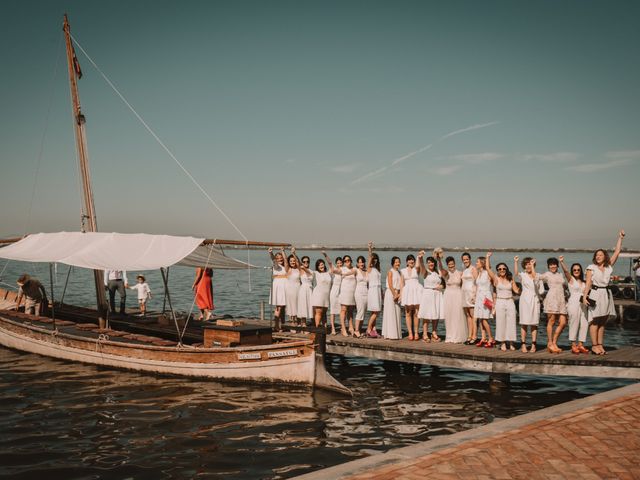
(577, 312)
(347, 296)
(293, 286)
(361, 294)
(529, 304)
(555, 306)
(484, 302)
(278, 294)
(320, 296)
(504, 307)
(410, 295)
(455, 324)
(334, 294)
(392, 313)
(597, 295)
(469, 275)
(305, 306)
(430, 310)
(374, 294)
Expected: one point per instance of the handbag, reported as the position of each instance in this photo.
(592, 302)
(488, 303)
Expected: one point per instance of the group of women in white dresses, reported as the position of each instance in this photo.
(465, 300)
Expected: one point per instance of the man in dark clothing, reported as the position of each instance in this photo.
(33, 293)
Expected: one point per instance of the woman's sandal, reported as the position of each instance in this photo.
(594, 352)
(435, 337)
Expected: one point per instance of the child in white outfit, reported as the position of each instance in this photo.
(144, 292)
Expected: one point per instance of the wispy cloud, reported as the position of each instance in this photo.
(626, 154)
(347, 168)
(597, 167)
(447, 170)
(290, 160)
(476, 158)
(387, 189)
(468, 129)
(407, 156)
(551, 157)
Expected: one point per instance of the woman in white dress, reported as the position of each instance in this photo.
(504, 307)
(484, 303)
(347, 295)
(361, 294)
(334, 294)
(529, 304)
(321, 292)
(305, 307)
(374, 294)
(293, 286)
(430, 310)
(468, 297)
(576, 310)
(455, 321)
(554, 304)
(597, 290)
(392, 312)
(278, 294)
(410, 296)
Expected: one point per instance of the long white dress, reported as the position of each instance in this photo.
(374, 295)
(278, 294)
(347, 288)
(483, 291)
(468, 288)
(578, 323)
(392, 313)
(361, 294)
(412, 291)
(529, 304)
(305, 308)
(455, 321)
(321, 292)
(293, 287)
(506, 330)
(601, 294)
(334, 295)
(431, 303)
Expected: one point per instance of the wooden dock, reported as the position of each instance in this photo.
(622, 362)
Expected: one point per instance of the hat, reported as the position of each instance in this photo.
(142, 277)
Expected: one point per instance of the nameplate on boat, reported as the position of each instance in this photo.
(249, 356)
(283, 353)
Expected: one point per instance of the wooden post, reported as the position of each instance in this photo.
(262, 310)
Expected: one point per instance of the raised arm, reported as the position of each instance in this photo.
(616, 252)
(567, 273)
(515, 266)
(421, 268)
(492, 275)
(287, 267)
(370, 258)
(444, 273)
(300, 266)
(272, 256)
(330, 268)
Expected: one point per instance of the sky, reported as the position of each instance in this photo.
(458, 123)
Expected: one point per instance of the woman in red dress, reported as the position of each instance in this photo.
(204, 292)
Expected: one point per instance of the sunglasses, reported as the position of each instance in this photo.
(502, 269)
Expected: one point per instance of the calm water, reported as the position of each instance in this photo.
(66, 420)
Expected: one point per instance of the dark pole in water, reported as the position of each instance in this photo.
(53, 303)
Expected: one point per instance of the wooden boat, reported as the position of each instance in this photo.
(82, 335)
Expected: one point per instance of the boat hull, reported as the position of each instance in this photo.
(278, 363)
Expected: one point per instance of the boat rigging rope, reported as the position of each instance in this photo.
(166, 149)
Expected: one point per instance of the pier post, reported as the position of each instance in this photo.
(262, 310)
(620, 313)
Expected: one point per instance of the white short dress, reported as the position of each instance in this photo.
(361, 294)
(468, 288)
(431, 303)
(322, 291)
(483, 291)
(392, 312)
(278, 294)
(554, 302)
(577, 311)
(412, 291)
(529, 304)
(374, 298)
(293, 287)
(305, 308)
(506, 330)
(601, 294)
(334, 295)
(347, 288)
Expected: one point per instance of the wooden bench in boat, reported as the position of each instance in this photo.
(231, 336)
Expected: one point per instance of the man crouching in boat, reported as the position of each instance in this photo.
(33, 293)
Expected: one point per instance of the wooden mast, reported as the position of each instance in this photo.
(88, 220)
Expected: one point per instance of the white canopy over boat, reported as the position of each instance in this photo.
(118, 251)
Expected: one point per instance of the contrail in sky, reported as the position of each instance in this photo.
(398, 160)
